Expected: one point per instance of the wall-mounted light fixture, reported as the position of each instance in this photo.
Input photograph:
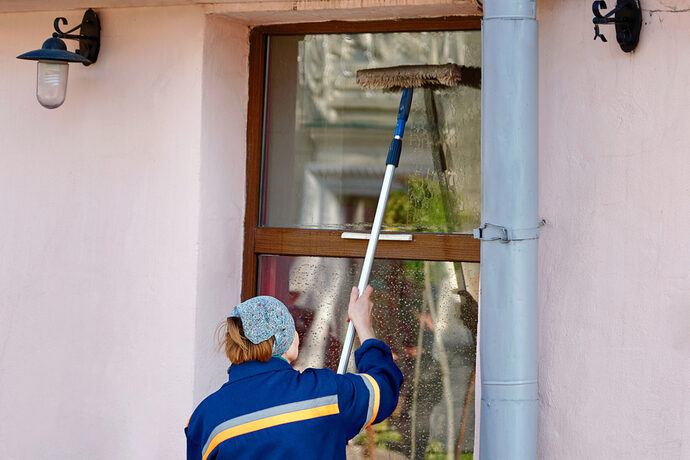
(627, 16)
(53, 58)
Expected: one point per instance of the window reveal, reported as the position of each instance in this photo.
(316, 153)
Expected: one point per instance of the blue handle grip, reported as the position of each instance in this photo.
(403, 114)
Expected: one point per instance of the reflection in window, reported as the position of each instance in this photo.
(327, 139)
(426, 312)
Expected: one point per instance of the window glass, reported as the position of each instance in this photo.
(327, 139)
(425, 311)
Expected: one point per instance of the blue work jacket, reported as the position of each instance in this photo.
(270, 410)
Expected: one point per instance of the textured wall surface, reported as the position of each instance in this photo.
(221, 221)
(614, 257)
(121, 232)
(100, 202)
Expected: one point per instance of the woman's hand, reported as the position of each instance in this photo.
(359, 312)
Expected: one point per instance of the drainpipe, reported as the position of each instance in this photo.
(508, 340)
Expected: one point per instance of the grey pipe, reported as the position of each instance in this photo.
(508, 339)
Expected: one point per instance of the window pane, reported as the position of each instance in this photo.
(419, 311)
(327, 139)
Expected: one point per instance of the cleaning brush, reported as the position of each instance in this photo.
(405, 78)
(419, 76)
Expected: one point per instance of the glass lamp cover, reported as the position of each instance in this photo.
(51, 83)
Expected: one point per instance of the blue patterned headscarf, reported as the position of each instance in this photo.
(264, 317)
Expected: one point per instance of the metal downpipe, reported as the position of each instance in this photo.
(508, 339)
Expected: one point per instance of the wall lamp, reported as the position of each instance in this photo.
(627, 17)
(53, 58)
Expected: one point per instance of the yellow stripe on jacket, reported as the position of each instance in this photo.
(377, 398)
(269, 422)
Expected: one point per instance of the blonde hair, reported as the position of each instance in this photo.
(238, 348)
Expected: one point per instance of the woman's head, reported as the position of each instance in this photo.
(259, 328)
(238, 349)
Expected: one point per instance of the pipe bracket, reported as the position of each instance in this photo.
(492, 232)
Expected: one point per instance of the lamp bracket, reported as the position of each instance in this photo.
(89, 34)
(627, 17)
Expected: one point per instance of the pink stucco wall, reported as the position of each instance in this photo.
(100, 201)
(614, 257)
(222, 181)
(122, 219)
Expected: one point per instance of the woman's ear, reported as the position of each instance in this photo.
(293, 351)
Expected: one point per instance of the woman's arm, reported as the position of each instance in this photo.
(371, 395)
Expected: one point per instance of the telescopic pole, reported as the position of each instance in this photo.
(391, 163)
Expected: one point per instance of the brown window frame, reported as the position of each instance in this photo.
(328, 243)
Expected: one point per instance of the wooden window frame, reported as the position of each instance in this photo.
(328, 243)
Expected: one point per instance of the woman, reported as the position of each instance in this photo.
(267, 409)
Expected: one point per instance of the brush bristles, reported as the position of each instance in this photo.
(419, 76)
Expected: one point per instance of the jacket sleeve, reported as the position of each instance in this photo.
(371, 395)
(193, 443)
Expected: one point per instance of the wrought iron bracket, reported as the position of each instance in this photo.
(89, 34)
(627, 17)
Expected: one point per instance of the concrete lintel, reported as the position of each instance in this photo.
(277, 12)
(274, 11)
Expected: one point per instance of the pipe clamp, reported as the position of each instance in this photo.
(492, 232)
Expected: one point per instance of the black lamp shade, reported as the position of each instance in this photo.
(54, 49)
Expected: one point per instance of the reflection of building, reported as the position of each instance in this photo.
(329, 124)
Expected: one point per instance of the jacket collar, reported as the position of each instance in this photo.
(250, 368)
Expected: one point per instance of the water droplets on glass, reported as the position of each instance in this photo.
(426, 312)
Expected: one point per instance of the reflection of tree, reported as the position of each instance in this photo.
(427, 373)
(442, 291)
(398, 322)
(419, 208)
(339, 126)
(447, 130)
(443, 361)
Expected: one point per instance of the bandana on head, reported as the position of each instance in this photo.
(264, 317)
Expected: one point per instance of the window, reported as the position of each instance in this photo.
(316, 154)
